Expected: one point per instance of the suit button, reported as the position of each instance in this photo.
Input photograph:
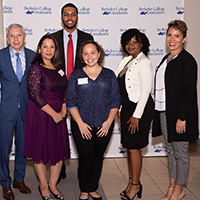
(17, 96)
(19, 84)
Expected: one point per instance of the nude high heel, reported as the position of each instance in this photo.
(165, 197)
(180, 197)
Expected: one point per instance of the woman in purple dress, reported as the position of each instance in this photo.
(46, 137)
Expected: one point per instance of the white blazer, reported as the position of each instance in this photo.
(138, 81)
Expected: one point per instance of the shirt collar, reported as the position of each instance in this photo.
(74, 33)
(13, 52)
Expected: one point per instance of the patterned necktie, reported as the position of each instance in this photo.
(19, 67)
(70, 56)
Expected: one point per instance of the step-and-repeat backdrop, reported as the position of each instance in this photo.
(106, 20)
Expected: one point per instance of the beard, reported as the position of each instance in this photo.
(70, 27)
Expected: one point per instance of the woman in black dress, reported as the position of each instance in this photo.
(135, 81)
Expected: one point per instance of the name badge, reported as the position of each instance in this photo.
(61, 72)
(82, 81)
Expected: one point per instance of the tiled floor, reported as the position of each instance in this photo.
(154, 178)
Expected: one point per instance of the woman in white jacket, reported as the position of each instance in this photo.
(135, 80)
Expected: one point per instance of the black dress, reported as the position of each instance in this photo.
(139, 139)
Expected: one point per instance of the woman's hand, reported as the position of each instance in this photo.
(134, 124)
(103, 131)
(85, 130)
(57, 117)
(63, 112)
(181, 126)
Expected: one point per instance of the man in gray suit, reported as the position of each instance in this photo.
(15, 60)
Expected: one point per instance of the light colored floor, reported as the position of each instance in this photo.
(114, 178)
(154, 178)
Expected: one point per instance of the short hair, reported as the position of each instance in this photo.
(69, 5)
(139, 36)
(180, 25)
(98, 47)
(56, 60)
(15, 25)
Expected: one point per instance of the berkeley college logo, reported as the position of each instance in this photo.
(96, 31)
(151, 10)
(113, 52)
(179, 10)
(114, 11)
(83, 11)
(161, 31)
(44, 10)
(156, 52)
(7, 10)
(48, 31)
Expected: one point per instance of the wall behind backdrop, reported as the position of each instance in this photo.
(106, 20)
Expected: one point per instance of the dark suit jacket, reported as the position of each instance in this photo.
(181, 97)
(82, 37)
(13, 91)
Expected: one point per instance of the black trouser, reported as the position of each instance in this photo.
(90, 154)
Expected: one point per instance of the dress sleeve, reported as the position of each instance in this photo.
(65, 92)
(34, 78)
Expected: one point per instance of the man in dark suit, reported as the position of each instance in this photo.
(15, 60)
(69, 17)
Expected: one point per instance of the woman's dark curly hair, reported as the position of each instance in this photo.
(56, 60)
(98, 47)
(139, 36)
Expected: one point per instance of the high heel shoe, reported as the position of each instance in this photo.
(57, 196)
(45, 198)
(165, 197)
(182, 194)
(138, 194)
(83, 199)
(96, 198)
(124, 191)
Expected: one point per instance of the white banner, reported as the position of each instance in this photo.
(106, 20)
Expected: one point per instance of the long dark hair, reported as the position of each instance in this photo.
(56, 60)
(139, 36)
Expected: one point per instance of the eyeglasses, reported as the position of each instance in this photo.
(133, 42)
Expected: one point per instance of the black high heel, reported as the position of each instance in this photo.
(45, 198)
(124, 191)
(57, 196)
(138, 194)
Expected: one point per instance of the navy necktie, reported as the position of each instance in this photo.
(19, 67)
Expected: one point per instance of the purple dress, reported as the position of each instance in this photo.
(45, 141)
